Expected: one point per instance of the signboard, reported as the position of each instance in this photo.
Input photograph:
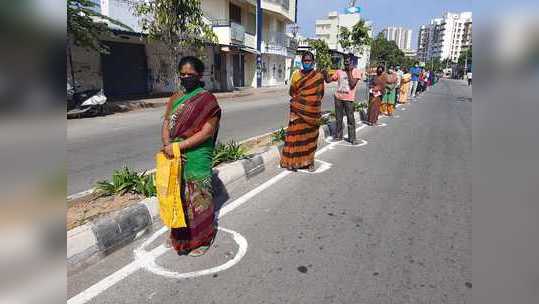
(352, 10)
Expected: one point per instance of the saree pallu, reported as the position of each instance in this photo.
(199, 210)
(405, 88)
(305, 112)
(374, 109)
(189, 114)
(388, 102)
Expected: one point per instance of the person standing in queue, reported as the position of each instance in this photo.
(388, 100)
(416, 72)
(192, 121)
(376, 91)
(345, 96)
(306, 92)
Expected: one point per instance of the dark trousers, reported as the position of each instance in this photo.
(341, 107)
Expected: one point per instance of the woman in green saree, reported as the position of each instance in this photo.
(192, 119)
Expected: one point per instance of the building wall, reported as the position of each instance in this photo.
(250, 70)
(87, 68)
(401, 36)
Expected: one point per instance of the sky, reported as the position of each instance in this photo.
(409, 14)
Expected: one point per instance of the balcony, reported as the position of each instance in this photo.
(232, 33)
(237, 33)
(277, 43)
(281, 7)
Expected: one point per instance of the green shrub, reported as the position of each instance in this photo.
(125, 180)
(360, 105)
(278, 136)
(324, 120)
(229, 152)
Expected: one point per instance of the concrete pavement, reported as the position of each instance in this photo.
(389, 222)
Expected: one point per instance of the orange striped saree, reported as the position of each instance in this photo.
(307, 91)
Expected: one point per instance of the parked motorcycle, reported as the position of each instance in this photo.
(87, 103)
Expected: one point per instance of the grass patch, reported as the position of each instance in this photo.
(278, 136)
(229, 152)
(127, 181)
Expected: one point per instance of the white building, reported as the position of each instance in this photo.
(445, 37)
(328, 30)
(401, 36)
(234, 22)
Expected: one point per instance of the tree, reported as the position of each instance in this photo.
(386, 52)
(179, 24)
(86, 27)
(465, 57)
(322, 52)
(355, 39)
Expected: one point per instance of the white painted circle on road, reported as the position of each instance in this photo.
(147, 259)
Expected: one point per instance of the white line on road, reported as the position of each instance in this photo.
(324, 166)
(147, 260)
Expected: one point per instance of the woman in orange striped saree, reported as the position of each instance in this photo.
(307, 91)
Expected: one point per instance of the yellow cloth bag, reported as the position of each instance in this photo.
(168, 184)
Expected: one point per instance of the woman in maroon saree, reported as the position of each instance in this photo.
(192, 119)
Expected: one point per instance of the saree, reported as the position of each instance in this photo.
(307, 91)
(375, 100)
(188, 115)
(389, 98)
(405, 88)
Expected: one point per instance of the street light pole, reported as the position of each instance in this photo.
(259, 25)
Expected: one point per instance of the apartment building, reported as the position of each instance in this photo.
(328, 30)
(137, 67)
(446, 37)
(401, 36)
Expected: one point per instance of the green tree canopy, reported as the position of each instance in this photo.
(467, 54)
(322, 52)
(355, 39)
(386, 52)
(179, 24)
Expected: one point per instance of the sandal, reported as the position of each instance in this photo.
(200, 251)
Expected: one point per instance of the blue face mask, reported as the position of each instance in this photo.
(307, 66)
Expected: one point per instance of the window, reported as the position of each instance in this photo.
(235, 13)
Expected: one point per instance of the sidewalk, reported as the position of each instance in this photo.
(136, 104)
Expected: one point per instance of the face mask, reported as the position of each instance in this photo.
(190, 83)
(307, 66)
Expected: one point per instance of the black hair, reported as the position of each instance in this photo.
(381, 67)
(196, 63)
(307, 53)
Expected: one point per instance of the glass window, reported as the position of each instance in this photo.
(235, 13)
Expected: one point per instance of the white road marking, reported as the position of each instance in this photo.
(347, 144)
(147, 260)
(403, 109)
(109, 281)
(324, 166)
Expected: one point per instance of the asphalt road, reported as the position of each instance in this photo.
(97, 146)
(389, 222)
